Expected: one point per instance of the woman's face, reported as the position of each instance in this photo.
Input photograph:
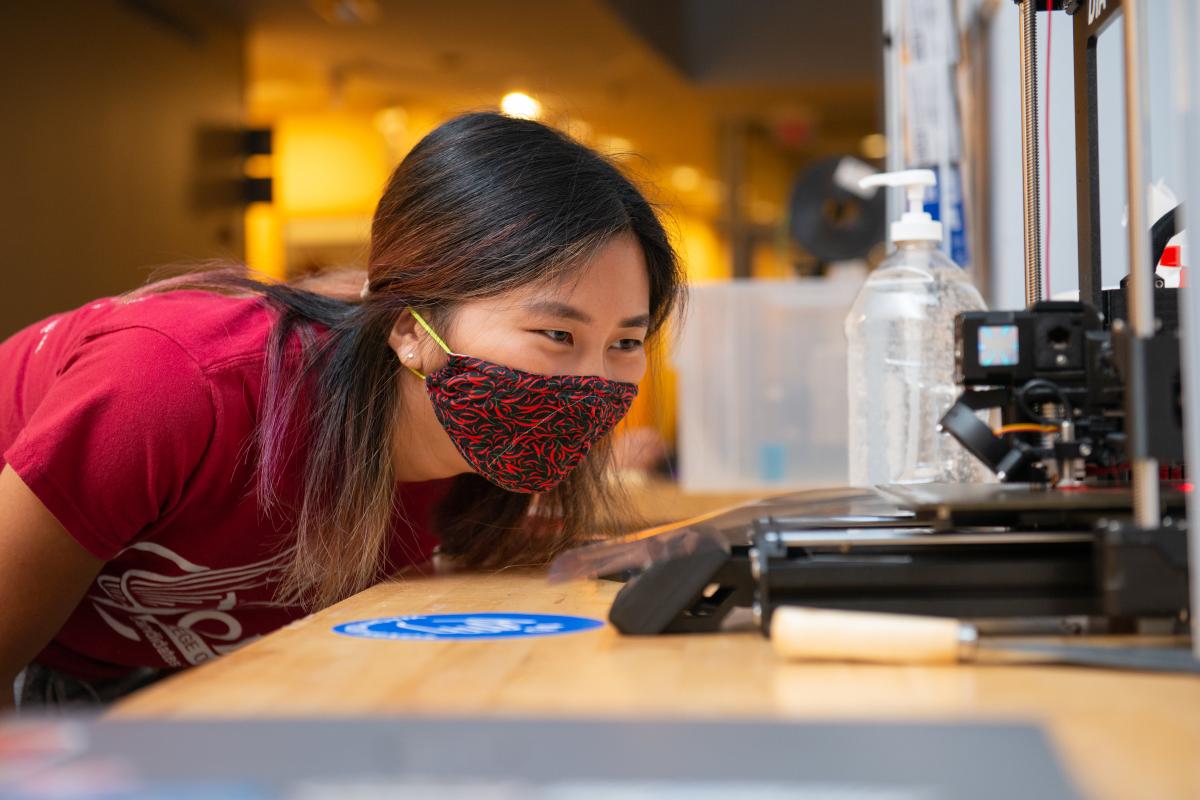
(592, 321)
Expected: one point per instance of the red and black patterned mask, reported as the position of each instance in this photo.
(522, 431)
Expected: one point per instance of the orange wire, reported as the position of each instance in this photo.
(1025, 427)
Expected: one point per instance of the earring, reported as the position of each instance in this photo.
(410, 355)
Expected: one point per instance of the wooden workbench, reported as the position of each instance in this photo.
(1120, 735)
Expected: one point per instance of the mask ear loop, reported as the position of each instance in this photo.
(421, 321)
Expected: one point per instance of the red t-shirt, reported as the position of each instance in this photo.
(131, 420)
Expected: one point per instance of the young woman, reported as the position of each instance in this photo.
(195, 464)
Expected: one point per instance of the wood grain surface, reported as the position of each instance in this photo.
(1121, 735)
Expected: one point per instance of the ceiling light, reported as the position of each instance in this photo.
(616, 145)
(520, 105)
(685, 178)
(873, 145)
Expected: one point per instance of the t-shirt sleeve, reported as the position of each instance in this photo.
(114, 440)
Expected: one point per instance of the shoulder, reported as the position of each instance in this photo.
(163, 361)
(212, 330)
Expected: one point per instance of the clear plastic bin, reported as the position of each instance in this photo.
(762, 385)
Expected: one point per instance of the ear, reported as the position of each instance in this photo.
(412, 344)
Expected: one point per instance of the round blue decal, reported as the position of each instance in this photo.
(487, 625)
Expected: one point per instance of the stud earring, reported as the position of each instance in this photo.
(410, 355)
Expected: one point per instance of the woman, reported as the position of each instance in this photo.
(193, 465)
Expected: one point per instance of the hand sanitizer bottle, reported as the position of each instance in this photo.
(900, 335)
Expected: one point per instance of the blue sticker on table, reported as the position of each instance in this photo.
(486, 625)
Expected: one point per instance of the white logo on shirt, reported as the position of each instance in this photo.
(45, 332)
(185, 615)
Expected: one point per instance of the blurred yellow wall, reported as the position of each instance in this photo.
(114, 147)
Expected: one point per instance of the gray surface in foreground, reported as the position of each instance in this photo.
(828, 759)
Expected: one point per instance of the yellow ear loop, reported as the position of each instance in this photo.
(420, 321)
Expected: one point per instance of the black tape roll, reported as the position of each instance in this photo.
(833, 222)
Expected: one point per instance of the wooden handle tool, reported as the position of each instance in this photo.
(822, 634)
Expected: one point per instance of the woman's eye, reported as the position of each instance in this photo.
(628, 344)
(562, 337)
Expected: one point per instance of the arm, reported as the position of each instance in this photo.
(109, 447)
(44, 573)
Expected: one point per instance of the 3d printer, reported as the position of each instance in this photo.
(1086, 529)
(1089, 392)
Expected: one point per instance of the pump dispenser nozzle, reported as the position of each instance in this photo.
(914, 225)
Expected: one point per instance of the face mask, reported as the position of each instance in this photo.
(522, 431)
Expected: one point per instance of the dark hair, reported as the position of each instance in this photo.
(483, 204)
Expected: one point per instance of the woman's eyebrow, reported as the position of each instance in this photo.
(564, 311)
(561, 310)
